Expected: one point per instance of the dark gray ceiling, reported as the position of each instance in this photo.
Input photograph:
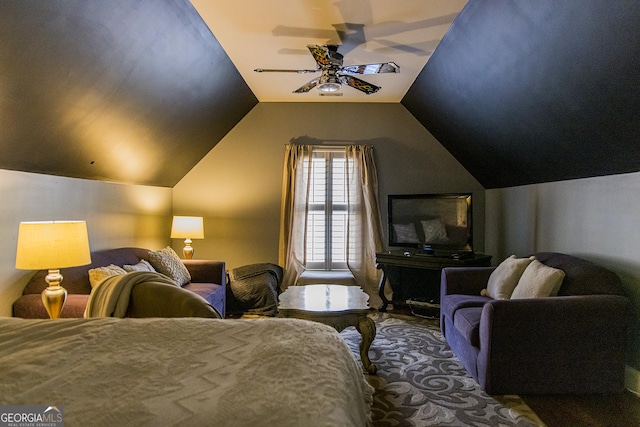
(119, 90)
(525, 92)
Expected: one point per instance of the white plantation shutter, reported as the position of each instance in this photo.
(327, 211)
(339, 202)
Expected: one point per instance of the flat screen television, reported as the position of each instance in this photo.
(431, 222)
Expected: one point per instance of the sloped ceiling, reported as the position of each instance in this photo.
(525, 92)
(119, 90)
(138, 91)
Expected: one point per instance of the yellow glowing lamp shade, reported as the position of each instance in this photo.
(187, 228)
(52, 245)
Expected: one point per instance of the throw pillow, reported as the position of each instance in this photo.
(538, 281)
(143, 265)
(504, 278)
(434, 230)
(167, 262)
(406, 233)
(97, 275)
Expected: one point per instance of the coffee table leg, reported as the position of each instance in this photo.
(367, 328)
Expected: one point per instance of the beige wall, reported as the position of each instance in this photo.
(116, 214)
(237, 186)
(595, 218)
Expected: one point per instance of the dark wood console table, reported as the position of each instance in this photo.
(417, 275)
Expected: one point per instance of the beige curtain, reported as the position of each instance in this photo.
(365, 225)
(364, 234)
(293, 212)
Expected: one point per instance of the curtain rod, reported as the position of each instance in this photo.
(333, 146)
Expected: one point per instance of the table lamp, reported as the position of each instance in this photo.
(187, 228)
(52, 245)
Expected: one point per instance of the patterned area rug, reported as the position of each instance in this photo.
(421, 383)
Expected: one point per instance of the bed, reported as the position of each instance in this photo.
(183, 371)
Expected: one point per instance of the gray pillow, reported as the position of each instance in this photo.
(143, 265)
(434, 230)
(167, 262)
(406, 233)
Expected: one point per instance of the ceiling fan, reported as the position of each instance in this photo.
(334, 74)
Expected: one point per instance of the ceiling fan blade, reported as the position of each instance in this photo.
(361, 85)
(326, 55)
(384, 67)
(307, 87)
(275, 70)
(334, 74)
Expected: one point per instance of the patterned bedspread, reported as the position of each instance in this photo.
(188, 371)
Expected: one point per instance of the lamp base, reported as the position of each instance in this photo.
(54, 295)
(187, 251)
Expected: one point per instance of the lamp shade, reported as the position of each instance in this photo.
(187, 227)
(52, 245)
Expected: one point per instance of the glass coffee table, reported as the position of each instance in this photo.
(338, 306)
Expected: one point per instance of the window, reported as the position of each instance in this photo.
(330, 216)
(327, 215)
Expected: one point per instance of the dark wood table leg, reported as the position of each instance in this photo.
(381, 285)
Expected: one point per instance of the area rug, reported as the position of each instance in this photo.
(420, 382)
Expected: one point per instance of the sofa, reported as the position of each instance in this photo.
(573, 342)
(208, 283)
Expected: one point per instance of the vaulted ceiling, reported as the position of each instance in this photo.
(518, 91)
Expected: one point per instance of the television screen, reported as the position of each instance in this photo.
(431, 221)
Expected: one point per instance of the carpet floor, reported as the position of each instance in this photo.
(420, 382)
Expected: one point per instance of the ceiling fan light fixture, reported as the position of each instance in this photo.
(328, 83)
(329, 87)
